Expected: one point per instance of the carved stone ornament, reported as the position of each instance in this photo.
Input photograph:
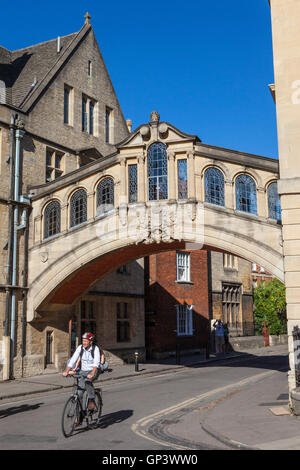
(154, 116)
(19, 123)
(44, 256)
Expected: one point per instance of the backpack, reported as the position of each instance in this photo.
(92, 352)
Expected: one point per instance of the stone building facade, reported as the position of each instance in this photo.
(58, 102)
(232, 292)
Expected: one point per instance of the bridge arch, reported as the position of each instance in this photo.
(65, 266)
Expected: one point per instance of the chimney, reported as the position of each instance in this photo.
(58, 45)
(129, 124)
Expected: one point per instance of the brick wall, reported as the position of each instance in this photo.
(163, 292)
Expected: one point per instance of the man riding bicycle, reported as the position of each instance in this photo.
(92, 362)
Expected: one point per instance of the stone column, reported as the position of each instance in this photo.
(261, 202)
(64, 219)
(171, 177)
(142, 179)
(123, 191)
(286, 50)
(191, 175)
(90, 206)
(229, 194)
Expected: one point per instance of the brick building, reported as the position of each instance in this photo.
(186, 291)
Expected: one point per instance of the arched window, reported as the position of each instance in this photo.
(245, 191)
(105, 195)
(157, 172)
(78, 208)
(274, 202)
(214, 186)
(52, 219)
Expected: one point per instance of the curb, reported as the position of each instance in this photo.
(225, 440)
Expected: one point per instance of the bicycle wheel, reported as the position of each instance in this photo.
(95, 414)
(70, 416)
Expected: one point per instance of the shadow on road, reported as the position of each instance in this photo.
(113, 418)
(18, 409)
(272, 362)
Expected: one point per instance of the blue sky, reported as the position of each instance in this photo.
(203, 65)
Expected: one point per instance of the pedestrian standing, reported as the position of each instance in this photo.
(219, 335)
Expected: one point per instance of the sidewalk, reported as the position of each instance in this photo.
(254, 417)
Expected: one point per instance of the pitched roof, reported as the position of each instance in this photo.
(27, 71)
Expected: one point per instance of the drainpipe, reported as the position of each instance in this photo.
(24, 225)
(19, 135)
(6, 338)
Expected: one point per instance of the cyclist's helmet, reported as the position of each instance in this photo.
(89, 336)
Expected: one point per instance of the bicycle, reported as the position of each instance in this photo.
(74, 412)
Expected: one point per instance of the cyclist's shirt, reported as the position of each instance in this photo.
(87, 360)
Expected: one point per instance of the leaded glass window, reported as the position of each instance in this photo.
(214, 186)
(105, 195)
(132, 183)
(245, 188)
(274, 202)
(157, 172)
(183, 266)
(184, 320)
(182, 179)
(78, 210)
(52, 219)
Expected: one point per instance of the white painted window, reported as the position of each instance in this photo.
(184, 320)
(183, 266)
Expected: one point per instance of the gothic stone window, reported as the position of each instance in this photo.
(274, 202)
(231, 294)
(87, 317)
(184, 320)
(88, 115)
(105, 195)
(214, 186)
(52, 219)
(246, 194)
(123, 324)
(54, 164)
(182, 179)
(157, 172)
(78, 208)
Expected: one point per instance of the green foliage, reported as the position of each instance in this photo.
(270, 306)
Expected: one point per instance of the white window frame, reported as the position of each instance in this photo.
(183, 267)
(184, 320)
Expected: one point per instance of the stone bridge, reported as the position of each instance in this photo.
(162, 190)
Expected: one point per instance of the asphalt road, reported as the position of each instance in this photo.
(137, 412)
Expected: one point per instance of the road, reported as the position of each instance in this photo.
(139, 412)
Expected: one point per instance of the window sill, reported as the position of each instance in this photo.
(184, 282)
(185, 335)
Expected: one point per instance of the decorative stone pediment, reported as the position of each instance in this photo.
(156, 131)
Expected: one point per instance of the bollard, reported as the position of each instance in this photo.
(136, 354)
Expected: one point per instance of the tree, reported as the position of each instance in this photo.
(270, 307)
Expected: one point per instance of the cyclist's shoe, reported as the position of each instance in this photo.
(79, 419)
(91, 405)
